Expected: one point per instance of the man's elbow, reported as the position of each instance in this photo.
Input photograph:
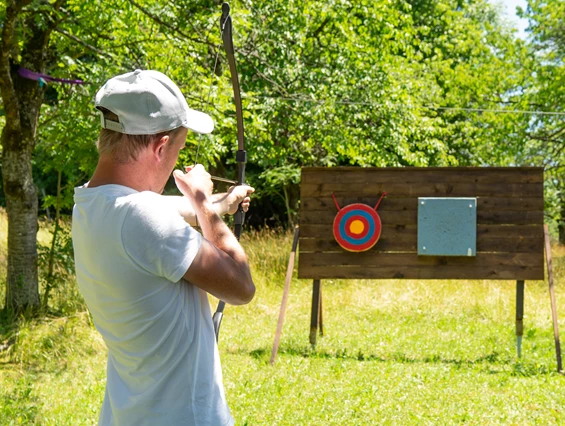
(246, 293)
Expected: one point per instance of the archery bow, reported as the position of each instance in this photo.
(241, 155)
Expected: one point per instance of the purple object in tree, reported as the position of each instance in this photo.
(31, 75)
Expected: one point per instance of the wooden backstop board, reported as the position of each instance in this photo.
(510, 236)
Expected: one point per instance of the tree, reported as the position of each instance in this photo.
(545, 133)
(339, 82)
(93, 40)
(25, 39)
(376, 83)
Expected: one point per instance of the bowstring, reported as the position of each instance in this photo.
(222, 28)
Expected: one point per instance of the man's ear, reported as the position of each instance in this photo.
(159, 147)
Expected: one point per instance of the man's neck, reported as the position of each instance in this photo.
(109, 172)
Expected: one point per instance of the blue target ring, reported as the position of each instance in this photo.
(353, 215)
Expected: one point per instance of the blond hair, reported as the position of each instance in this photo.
(123, 147)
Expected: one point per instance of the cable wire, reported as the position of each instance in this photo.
(443, 108)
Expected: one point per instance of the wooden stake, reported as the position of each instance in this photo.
(286, 291)
(320, 313)
(552, 299)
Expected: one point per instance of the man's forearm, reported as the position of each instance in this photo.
(186, 210)
(217, 232)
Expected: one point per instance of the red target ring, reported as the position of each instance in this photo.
(357, 227)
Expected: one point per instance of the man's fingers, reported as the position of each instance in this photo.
(243, 189)
(245, 203)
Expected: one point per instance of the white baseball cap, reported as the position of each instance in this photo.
(146, 103)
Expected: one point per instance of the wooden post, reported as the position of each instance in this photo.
(315, 316)
(286, 291)
(519, 316)
(552, 299)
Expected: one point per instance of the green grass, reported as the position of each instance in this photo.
(394, 353)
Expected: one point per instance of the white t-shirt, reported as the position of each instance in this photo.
(131, 251)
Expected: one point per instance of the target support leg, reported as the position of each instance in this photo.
(315, 316)
(519, 316)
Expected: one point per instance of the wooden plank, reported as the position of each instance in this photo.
(493, 231)
(401, 189)
(411, 217)
(509, 217)
(511, 204)
(407, 243)
(358, 175)
(411, 203)
(325, 231)
(316, 245)
(374, 259)
(388, 217)
(503, 231)
(428, 273)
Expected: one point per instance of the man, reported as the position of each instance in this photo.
(144, 271)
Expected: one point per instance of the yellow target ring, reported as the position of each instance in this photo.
(356, 227)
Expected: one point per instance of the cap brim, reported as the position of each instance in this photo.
(199, 122)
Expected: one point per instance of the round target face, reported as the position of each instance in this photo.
(357, 227)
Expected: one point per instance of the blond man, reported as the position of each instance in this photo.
(143, 270)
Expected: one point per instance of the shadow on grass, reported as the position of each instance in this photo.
(9, 327)
(492, 363)
(307, 352)
(12, 322)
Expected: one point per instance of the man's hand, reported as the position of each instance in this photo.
(235, 196)
(195, 184)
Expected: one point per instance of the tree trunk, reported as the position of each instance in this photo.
(22, 289)
(18, 143)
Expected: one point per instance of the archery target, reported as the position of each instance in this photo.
(357, 227)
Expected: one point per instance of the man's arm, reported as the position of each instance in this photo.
(220, 267)
(222, 203)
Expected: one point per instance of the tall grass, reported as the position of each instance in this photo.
(394, 352)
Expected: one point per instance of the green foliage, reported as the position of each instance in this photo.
(56, 271)
(282, 182)
(366, 83)
(543, 135)
(332, 83)
(352, 84)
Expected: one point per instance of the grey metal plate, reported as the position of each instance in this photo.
(447, 226)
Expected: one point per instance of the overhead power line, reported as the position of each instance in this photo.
(380, 104)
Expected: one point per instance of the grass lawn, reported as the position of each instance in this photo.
(394, 353)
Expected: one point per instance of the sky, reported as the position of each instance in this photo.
(510, 7)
